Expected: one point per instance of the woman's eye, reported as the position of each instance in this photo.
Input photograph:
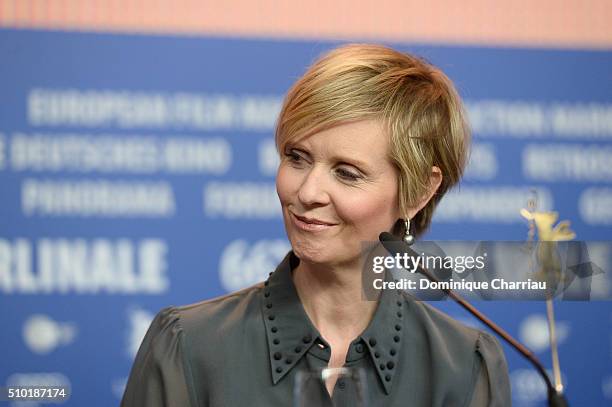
(293, 156)
(348, 175)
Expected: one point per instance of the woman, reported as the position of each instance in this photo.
(370, 140)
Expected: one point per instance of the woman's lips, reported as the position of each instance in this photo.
(311, 225)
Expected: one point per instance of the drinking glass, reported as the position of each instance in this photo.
(349, 390)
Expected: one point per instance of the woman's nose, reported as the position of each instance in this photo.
(313, 189)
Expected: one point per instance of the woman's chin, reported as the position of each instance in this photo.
(310, 254)
(324, 256)
(306, 254)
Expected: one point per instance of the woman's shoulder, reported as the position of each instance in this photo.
(439, 325)
(206, 317)
(183, 343)
(460, 348)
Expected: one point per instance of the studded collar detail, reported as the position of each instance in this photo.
(291, 334)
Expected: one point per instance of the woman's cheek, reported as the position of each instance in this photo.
(367, 210)
(355, 207)
(282, 183)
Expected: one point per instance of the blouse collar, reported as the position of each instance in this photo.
(291, 334)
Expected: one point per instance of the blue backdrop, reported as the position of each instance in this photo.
(138, 172)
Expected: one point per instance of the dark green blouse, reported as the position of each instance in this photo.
(245, 348)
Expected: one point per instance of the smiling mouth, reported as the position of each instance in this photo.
(310, 224)
(312, 221)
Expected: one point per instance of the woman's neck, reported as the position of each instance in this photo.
(332, 298)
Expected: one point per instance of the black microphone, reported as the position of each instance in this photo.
(396, 246)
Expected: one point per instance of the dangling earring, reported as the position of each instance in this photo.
(408, 238)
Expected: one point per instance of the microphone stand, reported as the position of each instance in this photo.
(555, 398)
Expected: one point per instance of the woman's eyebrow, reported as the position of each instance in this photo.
(352, 161)
(296, 146)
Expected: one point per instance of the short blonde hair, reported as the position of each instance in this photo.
(417, 102)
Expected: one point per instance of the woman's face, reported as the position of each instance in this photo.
(337, 189)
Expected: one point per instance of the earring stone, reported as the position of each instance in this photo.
(408, 238)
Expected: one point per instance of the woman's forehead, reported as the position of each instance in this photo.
(363, 135)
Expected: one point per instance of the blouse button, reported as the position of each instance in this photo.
(274, 329)
(341, 384)
(396, 338)
(388, 378)
(398, 327)
(372, 342)
(278, 356)
(399, 303)
(276, 341)
(307, 339)
(399, 314)
(376, 355)
(279, 370)
(269, 305)
(359, 348)
(390, 365)
(288, 361)
(271, 317)
(382, 366)
(267, 294)
(298, 349)
(392, 352)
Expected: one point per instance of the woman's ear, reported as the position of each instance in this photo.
(435, 179)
